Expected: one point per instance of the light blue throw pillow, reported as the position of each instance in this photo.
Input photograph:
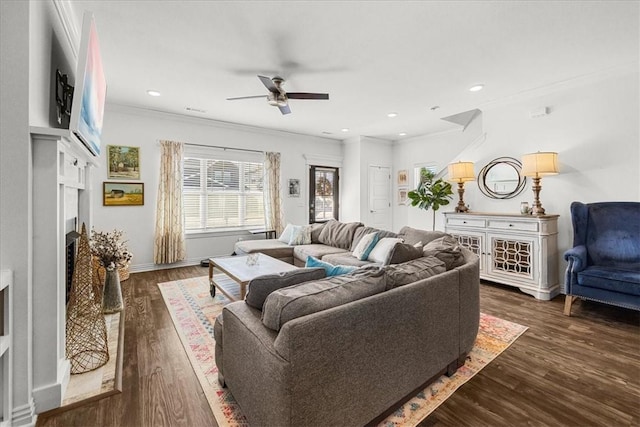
(332, 270)
(365, 246)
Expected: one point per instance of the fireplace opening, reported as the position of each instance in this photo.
(71, 244)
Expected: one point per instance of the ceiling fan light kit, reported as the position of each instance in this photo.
(277, 96)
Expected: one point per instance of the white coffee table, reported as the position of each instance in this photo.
(238, 270)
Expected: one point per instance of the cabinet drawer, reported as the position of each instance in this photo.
(463, 222)
(513, 225)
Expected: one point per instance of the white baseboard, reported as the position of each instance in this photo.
(51, 396)
(139, 268)
(24, 415)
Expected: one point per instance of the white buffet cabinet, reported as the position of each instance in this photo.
(514, 249)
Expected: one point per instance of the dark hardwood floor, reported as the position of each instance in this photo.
(582, 370)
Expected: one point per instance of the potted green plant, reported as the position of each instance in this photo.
(431, 193)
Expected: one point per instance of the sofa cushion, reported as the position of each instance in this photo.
(412, 271)
(412, 236)
(272, 247)
(403, 252)
(365, 246)
(316, 250)
(345, 258)
(285, 237)
(316, 229)
(381, 253)
(338, 234)
(301, 235)
(262, 286)
(362, 231)
(290, 303)
(611, 279)
(447, 249)
(330, 269)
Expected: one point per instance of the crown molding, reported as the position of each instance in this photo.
(203, 121)
(376, 140)
(64, 8)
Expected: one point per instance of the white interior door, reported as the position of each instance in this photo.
(379, 197)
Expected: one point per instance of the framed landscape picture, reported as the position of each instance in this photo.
(123, 193)
(123, 162)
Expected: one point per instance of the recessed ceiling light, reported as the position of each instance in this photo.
(345, 129)
(476, 88)
(392, 115)
(153, 93)
(402, 134)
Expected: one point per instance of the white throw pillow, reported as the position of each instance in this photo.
(301, 235)
(285, 237)
(365, 246)
(382, 251)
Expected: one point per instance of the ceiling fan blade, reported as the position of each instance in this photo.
(285, 109)
(306, 95)
(246, 97)
(268, 84)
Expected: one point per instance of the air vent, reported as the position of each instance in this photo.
(195, 110)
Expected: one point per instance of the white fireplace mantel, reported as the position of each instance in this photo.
(61, 190)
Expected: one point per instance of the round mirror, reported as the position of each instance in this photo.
(501, 178)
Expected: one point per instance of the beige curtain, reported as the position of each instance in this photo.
(272, 199)
(169, 245)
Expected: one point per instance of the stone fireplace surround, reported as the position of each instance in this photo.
(62, 192)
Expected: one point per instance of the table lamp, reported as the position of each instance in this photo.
(461, 172)
(537, 165)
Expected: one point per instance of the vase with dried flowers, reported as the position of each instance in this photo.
(112, 253)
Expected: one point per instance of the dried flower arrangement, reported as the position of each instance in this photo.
(110, 249)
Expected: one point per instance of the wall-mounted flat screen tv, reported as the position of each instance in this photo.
(87, 109)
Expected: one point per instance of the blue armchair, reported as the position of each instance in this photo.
(604, 263)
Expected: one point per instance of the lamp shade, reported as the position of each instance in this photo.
(539, 164)
(461, 172)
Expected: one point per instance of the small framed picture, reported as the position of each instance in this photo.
(403, 178)
(122, 193)
(402, 196)
(123, 162)
(294, 188)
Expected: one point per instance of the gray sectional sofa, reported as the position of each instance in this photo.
(333, 241)
(342, 350)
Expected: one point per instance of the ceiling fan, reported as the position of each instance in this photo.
(277, 95)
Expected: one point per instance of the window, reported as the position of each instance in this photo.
(417, 176)
(221, 193)
(323, 194)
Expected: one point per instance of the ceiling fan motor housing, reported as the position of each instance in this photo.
(278, 97)
(277, 100)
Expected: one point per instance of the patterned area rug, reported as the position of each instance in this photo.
(194, 311)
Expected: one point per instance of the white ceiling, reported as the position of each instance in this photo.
(371, 57)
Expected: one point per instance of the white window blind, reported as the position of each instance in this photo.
(222, 191)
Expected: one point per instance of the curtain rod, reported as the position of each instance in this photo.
(224, 148)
